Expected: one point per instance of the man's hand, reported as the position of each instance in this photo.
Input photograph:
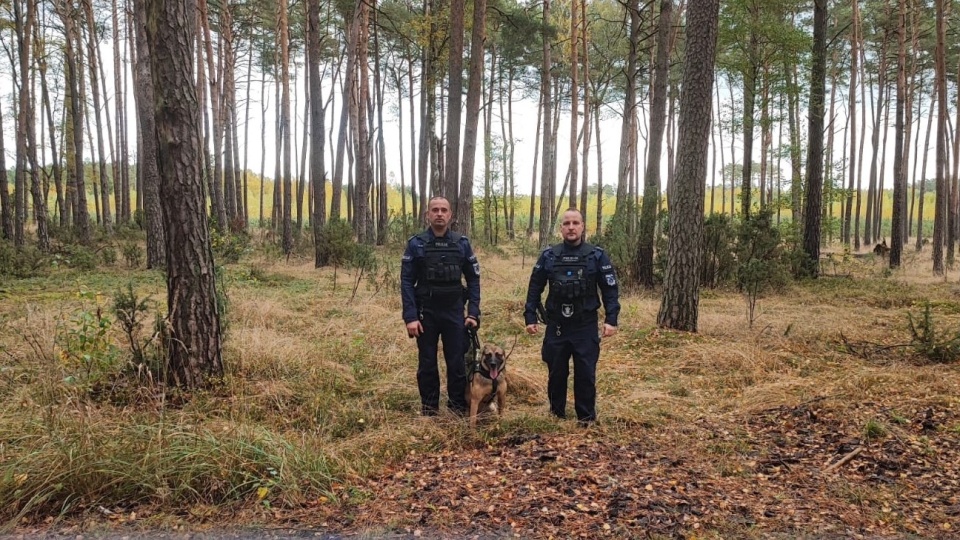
(414, 329)
(608, 331)
(533, 328)
(470, 322)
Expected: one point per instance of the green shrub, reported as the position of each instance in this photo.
(133, 254)
(336, 243)
(108, 255)
(761, 265)
(87, 352)
(620, 244)
(402, 227)
(719, 251)
(229, 247)
(77, 257)
(935, 346)
(21, 263)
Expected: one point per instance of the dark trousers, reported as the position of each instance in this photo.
(448, 326)
(582, 342)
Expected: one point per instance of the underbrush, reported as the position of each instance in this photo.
(320, 389)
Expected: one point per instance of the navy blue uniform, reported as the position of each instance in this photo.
(433, 293)
(577, 276)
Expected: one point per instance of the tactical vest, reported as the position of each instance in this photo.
(570, 283)
(439, 280)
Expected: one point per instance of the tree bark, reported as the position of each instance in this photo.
(852, 116)
(940, 215)
(474, 92)
(451, 182)
(6, 206)
(814, 192)
(629, 109)
(147, 160)
(81, 217)
(547, 176)
(899, 161)
(651, 177)
(680, 303)
(873, 184)
(95, 90)
(317, 173)
(193, 319)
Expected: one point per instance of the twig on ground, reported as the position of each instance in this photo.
(843, 461)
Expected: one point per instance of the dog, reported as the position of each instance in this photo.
(882, 249)
(487, 382)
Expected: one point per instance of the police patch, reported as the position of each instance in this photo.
(476, 268)
(611, 279)
(566, 310)
(407, 258)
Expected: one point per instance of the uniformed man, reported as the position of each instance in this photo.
(433, 298)
(575, 271)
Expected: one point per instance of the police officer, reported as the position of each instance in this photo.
(433, 299)
(575, 271)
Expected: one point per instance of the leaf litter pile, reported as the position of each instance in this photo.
(787, 471)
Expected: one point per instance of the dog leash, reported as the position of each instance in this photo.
(473, 358)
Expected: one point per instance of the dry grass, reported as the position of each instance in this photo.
(321, 387)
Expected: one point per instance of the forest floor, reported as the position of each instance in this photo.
(820, 420)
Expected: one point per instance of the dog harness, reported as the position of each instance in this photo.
(473, 361)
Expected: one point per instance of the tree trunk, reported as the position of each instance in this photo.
(95, 90)
(228, 118)
(940, 215)
(364, 178)
(348, 83)
(414, 198)
(217, 192)
(6, 206)
(651, 177)
(533, 174)
(382, 212)
(873, 184)
(596, 124)
(61, 204)
(285, 128)
(547, 178)
(899, 161)
(26, 128)
(574, 101)
(147, 160)
(923, 169)
(584, 185)
(814, 191)
(478, 39)
(317, 173)
(81, 216)
(852, 116)
(451, 184)
(121, 193)
(194, 322)
(680, 304)
(629, 108)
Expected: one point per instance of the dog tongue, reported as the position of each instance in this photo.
(494, 373)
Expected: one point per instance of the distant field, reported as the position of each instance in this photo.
(722, 202)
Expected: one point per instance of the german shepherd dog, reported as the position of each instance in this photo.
(487, 381)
